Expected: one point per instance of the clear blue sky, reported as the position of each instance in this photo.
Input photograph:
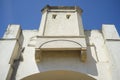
(27, 13)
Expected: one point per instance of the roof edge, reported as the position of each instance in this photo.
(48, 7)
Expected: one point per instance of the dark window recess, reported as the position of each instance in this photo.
(68, 16)
(54, 16)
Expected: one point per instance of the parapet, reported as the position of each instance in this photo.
(47, 8)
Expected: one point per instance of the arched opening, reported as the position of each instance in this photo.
(59, 75)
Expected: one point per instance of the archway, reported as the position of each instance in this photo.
(59, 75)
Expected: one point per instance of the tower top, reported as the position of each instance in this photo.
(48, 8)
(61, 21)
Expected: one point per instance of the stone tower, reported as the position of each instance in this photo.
(60, 50)
(61, 29)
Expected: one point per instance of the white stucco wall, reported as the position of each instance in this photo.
(6, 53)
(97, 64)
(109, 31)
(61, 26)
(102, 57)
(102, 48)
(12, 31)
(28, 65)
(112, 42)
(114, 56)
(10, 47)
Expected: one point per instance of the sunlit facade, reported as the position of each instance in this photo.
(60, 49)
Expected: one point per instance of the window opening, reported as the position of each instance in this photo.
(68, 16)
(54, 16)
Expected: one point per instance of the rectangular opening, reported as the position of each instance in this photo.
(59, 54)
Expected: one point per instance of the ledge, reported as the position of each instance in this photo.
(112, 39)
(82, 36)
(47, 7)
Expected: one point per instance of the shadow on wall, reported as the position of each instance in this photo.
(91, 61)
(68, 60)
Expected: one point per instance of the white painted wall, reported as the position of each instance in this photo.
(61, 26)
(102, 61)
(110, 32)
(6, 52)
(97, 64)
(10, 47)
(102, 48)
(12, 31)
(114, 56)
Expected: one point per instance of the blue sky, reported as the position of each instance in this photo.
(27, 13)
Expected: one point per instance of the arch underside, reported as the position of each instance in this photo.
(59, 75)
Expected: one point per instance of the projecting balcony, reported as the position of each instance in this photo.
(76, 45)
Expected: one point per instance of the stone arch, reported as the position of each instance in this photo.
(70, 41)
(59, 75)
